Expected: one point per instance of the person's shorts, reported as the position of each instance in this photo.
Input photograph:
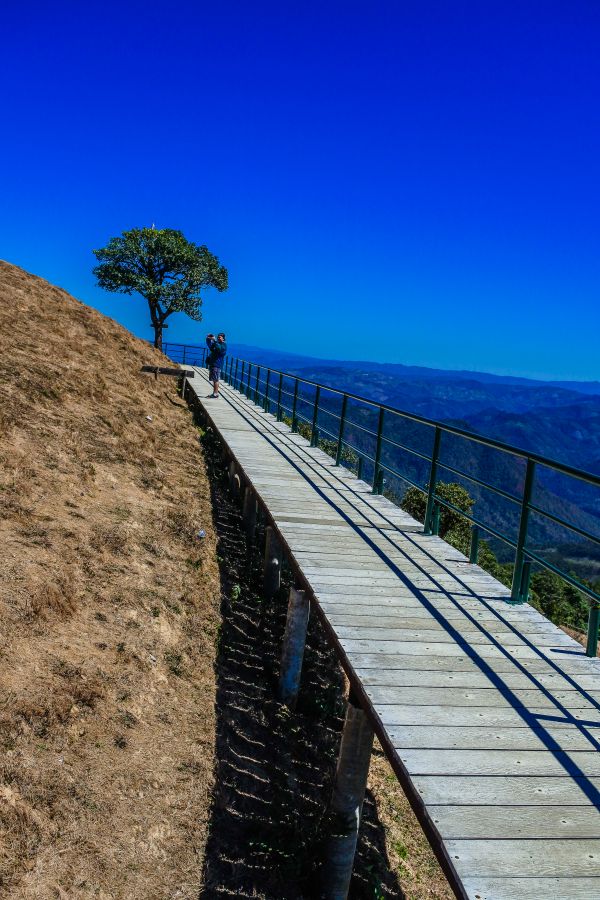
(214, 373)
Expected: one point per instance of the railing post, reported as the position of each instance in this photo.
(294, 405)
(235, 378)
(525, 579)
(338, 454)
(266, 403)
(359, 468)
(292, 653)
(474, 551)
(183, 360)
(517, 595)
(435, 526)
(314, 437)
(279, 391)
(249, 374)
(428, 524)
(347, 801)
(257, 385)
(592, 634)
(378, 450)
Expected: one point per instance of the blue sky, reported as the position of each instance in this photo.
(410, 182)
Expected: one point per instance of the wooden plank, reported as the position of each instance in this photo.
(402, 619)
(565, 737)
(486, 696)
(434, 630)
(515, 680)
(539, 763)
(494, 716)
(463, 790)
(532, 888)
(358, 606)
(525, 858)
(442, 608)
(352, 590)
(163, 370)
(501, 823)
(407, 602)
(501, 664)
(351, 585)
(451, 648)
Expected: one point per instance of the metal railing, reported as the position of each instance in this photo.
(186, 354)
(308, 405)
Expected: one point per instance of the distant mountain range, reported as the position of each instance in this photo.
(558, 419)
(285, 359)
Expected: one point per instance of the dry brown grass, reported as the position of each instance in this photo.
(411, 858)
(580, 636)
(109, 611)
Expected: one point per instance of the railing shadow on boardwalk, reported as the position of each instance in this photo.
(375, 536)
(274, 769)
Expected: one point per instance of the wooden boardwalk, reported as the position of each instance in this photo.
(488, 713)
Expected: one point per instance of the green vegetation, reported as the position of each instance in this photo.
(162, 266)
(454, 528)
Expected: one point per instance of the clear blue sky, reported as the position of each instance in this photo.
(413, 182)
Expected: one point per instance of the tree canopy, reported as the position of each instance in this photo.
(162, 266)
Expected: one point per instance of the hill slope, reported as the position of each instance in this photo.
(108, 605)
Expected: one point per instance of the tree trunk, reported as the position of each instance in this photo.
(157, 319)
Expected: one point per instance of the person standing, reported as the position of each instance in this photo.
(217, 351)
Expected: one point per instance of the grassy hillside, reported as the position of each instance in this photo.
(109, 610)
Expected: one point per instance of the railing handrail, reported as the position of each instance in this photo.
(546, 461)
(525, 552)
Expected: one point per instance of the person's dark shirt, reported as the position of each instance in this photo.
(218, 351)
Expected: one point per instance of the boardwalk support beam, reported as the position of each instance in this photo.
(292, 653)
(234, 479)
(347, 801)
(249, 514)
(272, 564)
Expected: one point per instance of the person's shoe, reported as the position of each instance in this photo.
(215, 396)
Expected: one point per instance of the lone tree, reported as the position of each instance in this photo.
(162, 266)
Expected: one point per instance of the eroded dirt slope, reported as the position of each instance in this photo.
(108, 611)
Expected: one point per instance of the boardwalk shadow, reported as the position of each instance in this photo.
(274, 769)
